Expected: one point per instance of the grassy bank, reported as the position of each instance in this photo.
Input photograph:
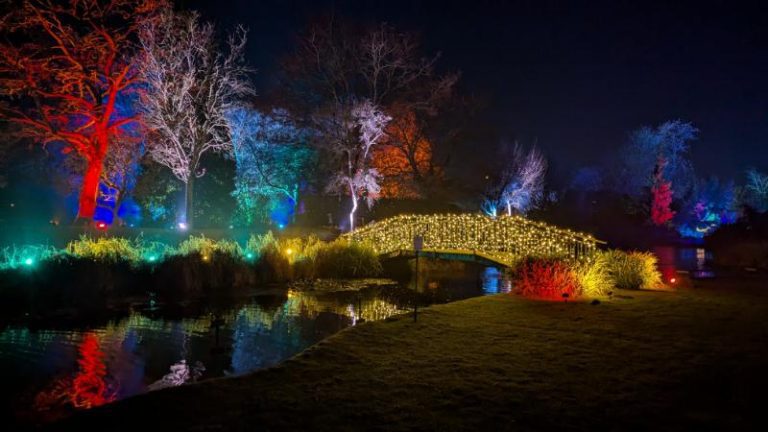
(680, 360)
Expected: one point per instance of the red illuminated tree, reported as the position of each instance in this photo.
(661, 196)
(65, 70)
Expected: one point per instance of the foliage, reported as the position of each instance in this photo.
(340, 259)
(272, 160)
(661, 196)
(546, 279)
(109, 249)
(712, 204)
(594, 275)
(13, 257)
(206, 247)
(633, 270)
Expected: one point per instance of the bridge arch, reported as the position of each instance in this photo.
(500, 239)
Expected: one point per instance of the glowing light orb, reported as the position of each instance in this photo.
(281, 226)
(289, 251)
(673, 280)
(151, 258)
(205, 257)
(101, 225)
(249, 255)
(182, 226)
(29, 261)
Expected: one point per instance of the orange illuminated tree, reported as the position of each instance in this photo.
(404, 159)
(67, 70)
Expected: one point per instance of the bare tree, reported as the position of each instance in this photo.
(272, 158)
(756, 190)
(191, 85)
(65, 67)
(356, 177)
(520, 186)
(334, 66)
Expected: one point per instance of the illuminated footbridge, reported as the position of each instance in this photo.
(473, 237)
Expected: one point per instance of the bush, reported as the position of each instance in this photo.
(208, 247)
(594, 276)
(109, 249)
(633, 270)
(14, 257)
(547, 279)
(341, 259)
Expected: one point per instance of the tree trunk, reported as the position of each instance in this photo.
(354, 207)
(90, 189)
(188, 202)
(116, 207)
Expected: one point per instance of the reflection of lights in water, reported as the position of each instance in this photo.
(89, 388)
(180, 373)
(351, 313)
(493, 281)
(701, 258)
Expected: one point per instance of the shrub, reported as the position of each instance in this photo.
(18, 257)
(110, 249)
(633, 270)
(208, 247)
(594, 276)
(545, 278)
(341, 259)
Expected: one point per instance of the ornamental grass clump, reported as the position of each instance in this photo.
(343, 259)
(594, 275)
(546, 279)
(206, 247)
(633, 270)
(14, 257)
(107, 249)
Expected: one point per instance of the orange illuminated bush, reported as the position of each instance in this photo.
(546, 279)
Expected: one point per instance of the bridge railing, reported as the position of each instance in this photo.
(511, 236)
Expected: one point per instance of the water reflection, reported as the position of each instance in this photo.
(687, 260)
(54, 371)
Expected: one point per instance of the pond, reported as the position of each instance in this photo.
(54, 369)
(675, 261)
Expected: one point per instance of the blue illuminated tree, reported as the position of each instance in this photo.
(756, 190)
(711, 204)
(272, 158)
(639, 157)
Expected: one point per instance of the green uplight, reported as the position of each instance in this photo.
(151, 258)
(29, 261)
(249, 255)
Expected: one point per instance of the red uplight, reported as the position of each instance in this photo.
(673, 280)
(101, 225)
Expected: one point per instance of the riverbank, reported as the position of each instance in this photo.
(689, 359)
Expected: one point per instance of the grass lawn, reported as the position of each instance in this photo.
(691, 359)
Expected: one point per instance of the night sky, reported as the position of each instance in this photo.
(575, 77)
